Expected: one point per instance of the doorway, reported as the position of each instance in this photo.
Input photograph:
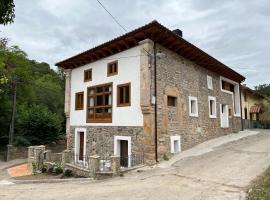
(224, 116)
(123, 153)
(80, 145)
(122, 148)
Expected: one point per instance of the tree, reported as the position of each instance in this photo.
(7, 11)
(263, 89)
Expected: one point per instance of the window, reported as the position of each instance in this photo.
(227, 86)
(175, 144)
(209, 82)
(88, 75)
(212, 107)
(112, 68)
(245, 96)
(193, 106)
(123, 95)
(230, 112)
(99, 103)
(171, 101)
(246, 113)
(79, 101)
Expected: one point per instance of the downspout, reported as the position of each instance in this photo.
(240, 94)
(155, 93)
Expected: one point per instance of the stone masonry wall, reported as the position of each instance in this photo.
(100, 140)
(179, 77)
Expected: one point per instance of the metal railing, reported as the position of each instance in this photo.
(81, 161)
(105, 163)
(132, 160)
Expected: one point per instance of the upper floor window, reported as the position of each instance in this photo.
(212, 107)
(209, 82)
(123, 95)
(193, 106)
(79, 101)
(99, 103)
(88, 75)
(171, 101)
(227, 86)
(112, 68)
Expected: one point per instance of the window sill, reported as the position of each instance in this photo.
(212, 116)
(193, 115)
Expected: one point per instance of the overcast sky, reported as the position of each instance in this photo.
(235, 32)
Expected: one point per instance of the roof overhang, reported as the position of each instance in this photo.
(160, 35)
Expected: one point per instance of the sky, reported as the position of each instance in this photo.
(236, 32)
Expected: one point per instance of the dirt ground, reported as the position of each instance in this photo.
(217, 170)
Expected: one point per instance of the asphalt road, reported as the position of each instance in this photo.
(224, 172)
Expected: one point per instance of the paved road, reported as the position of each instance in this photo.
(221, 173)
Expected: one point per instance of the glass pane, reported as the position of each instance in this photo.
(108, 100)
(108, 110)
(91, 101)
(99, 89)
(121, 95)
(127, 95)
(99, 110)
(91, 91)
(99, 100)
(91, 111)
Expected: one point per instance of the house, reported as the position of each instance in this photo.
(251, 107)
(147, 91)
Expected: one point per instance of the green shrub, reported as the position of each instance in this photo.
(68, 173)
(165, 157)
(58, 170)
(50, 170)
(43, 169)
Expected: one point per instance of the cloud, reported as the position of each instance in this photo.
(235, 32)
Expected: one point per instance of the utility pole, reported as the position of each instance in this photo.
(14, 94)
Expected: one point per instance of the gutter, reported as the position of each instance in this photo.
(155, 93)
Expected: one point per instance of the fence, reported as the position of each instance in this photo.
(249, 124)
(132, 160)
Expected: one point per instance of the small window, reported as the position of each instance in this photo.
(79, 101)
(209, 82)
(246, 113)
(245, 96)
(171, 101)
(230, 112)
(88, 75)
(212, 107)
(193, 106)
(112, 68)
(123, 95)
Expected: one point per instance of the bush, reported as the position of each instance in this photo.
(43, 169)
(68, 173)
(50, 170)
(165, 157)
(58, 170)
(38, 125)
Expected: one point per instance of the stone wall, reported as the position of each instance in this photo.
(181, 78)
(100, 139)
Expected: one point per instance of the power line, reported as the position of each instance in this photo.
(112, 16)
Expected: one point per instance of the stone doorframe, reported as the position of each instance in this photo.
(76, 143)
(116, 145)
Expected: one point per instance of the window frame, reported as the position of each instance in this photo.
(211, 98)
(77, 94)
(209, 82)
(190, 99)
(118, 95)
(175, 100)
(95, 120)
(86, 71)
(108, 68)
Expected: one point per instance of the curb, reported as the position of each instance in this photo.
(52, 180)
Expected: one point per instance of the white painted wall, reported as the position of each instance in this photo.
(128, 71)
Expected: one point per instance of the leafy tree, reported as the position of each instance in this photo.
(263, 89)
(39, 88)
(7, 11)
(37, 125)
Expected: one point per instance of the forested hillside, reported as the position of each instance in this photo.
(40, 98)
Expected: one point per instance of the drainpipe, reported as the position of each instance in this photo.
(242, 125)
(155, 93)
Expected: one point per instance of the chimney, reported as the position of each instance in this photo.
(178, 32)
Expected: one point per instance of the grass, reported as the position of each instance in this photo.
(261, 187)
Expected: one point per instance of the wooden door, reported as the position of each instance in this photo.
(81, 146)
(124, 153)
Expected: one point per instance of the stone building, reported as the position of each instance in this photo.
(147, 91)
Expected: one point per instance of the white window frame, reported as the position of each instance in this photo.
(176, 138)
(191, 98)
(209, 82)
(235, 96)
(117, 146)
(210, 98)
(76, 145)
